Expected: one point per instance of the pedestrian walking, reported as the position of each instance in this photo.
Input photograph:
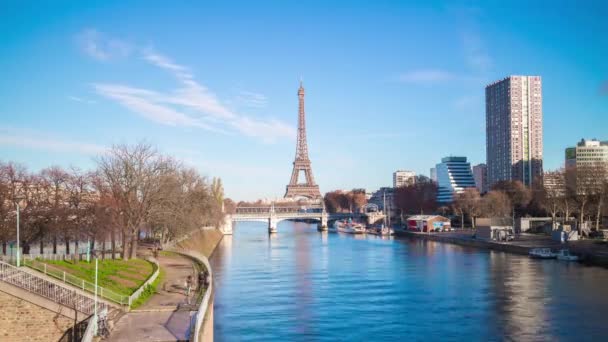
(201, 279)
(188, 287)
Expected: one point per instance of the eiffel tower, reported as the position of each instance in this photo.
(308, 189)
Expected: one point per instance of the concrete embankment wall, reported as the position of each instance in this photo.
(203, 242)
(22, 320)
(590, 256)
(469, 242)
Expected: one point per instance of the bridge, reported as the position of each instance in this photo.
(274, 214)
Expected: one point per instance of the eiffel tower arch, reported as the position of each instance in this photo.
(308, 189)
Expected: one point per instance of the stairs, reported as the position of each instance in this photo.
(56, 292)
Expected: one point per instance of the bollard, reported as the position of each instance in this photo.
(64, 276)
(83, 284)
(44, 268)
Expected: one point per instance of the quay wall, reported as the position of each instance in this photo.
(510, 248)
(590, 256)
(200, 246)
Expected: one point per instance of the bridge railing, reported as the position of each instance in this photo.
(279, 209)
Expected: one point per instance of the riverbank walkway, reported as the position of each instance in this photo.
(167, 315)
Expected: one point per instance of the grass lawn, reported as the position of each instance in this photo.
(120, 276)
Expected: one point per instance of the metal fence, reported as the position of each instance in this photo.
(148, 282)
(67, 278)
(43, 287)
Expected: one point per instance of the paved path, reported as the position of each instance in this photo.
(167, 315)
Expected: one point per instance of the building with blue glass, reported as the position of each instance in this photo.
(453, 176)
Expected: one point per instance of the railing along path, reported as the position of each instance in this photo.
(45, 288)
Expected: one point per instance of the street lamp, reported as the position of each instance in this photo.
(17, 199)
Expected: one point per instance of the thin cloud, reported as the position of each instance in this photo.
(252, 99)
(190, 104)
(467, 102)
(103, 48)
(475, 53)
(80, 99)
(35, 141)
(426, 76)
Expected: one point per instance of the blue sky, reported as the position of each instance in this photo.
(389, 84)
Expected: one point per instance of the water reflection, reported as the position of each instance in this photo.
(302, 285)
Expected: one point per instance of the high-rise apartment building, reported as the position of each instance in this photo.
(480, 176)
(453, 176)
(403, 178)
(587, 153)
(514, 129)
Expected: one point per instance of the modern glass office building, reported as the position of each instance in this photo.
(453, 176)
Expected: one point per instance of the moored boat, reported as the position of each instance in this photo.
(565, 255)
(382, 231)
(349, 227)
(542, 253)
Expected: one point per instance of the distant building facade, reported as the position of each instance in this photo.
(480, 175)
(382, 196)
(587, 153)
(433, 174)
(403, 178)
(555, 183)
(453, 176)
(514, 129)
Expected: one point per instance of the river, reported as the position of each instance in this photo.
(303, 285)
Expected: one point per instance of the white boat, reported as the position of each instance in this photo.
(382, 231)
(564, 254)
(542, 253)
(349, 227)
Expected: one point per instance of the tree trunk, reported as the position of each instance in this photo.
(582, 219)
(134, 240)
(598, 215)
(103, 249)
(67, 245)
(42, 244)
(473, 221)
(125, 244)
(113, 242)
(3, 247)
(76, 250)
(461, 220)
(54, 244)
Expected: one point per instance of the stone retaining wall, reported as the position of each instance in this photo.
(21, 320)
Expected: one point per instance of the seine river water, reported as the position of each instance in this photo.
(303, 285)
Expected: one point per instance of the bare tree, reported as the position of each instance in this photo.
(496, 204)
(56, 177)
(133, 175)
(519, 196)
(467, 203)
(553, 193)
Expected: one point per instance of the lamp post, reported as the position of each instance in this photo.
(18, 244)
(95, 311)
(17, 199)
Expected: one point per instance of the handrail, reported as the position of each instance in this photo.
(150, 280)
(57, 293)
